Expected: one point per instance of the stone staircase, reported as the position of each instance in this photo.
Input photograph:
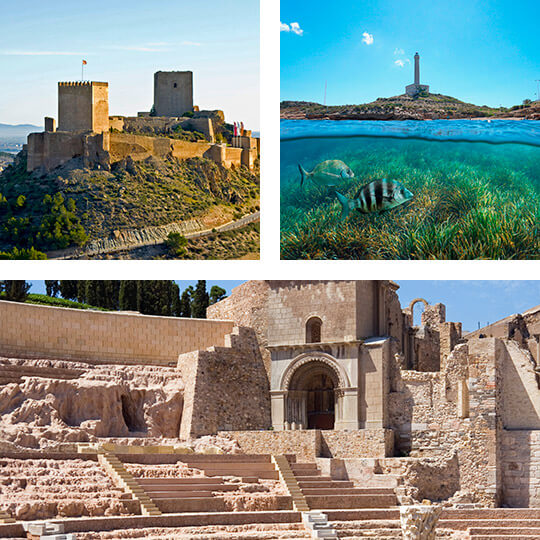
(322, 492)
(125, 480)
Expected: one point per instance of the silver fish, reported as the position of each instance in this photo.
(327, 173)
(376, 196)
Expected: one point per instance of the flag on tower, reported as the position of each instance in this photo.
(84, 62)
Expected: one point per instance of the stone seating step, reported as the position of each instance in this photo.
(350, 501)
(361, 514)
(370, 524)
(347, 491)
(224, 466)
(305, 478)
(230, 458)
(178, 494)
(184, 488)
(179, 481)
(464, 524)
(267, 475)
(326, 484)
(497, 531)
(371, 534)
(491, 513)
(504, 537)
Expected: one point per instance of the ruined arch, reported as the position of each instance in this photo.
(411, 308)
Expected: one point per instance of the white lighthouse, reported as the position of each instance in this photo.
(416, 87)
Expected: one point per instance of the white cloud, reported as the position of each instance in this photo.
(399, 63)
(136, 48)
(367, 38)
(42, 53)
(293, 27)
(192, 43)
(399, 52)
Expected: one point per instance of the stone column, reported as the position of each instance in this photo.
(416, 68)
(419, 522)
(278, 409)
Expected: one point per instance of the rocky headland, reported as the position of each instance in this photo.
(404, 107)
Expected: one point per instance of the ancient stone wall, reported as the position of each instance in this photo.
(454, 411)
(521, 468)
(247, 306)
(309, 444)
(226, 387)
(104, 337)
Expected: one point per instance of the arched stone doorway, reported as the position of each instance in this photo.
(312, 397)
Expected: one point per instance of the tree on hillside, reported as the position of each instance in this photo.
(185, 302)
(68, 289)
(200, 300)
(217, 293)
(52, 287)
(15, 290)
(128, 295)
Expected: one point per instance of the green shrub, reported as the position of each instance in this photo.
(177, 244)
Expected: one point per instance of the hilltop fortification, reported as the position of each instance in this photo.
(175, 128)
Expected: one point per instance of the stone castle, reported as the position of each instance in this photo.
(308, 394)
(85, 129)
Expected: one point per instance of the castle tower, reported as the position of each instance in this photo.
(417, 69)
(83, 106)
(173, 92)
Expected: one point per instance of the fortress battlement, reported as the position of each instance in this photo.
(83, 83)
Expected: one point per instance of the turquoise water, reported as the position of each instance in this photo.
(476, 187)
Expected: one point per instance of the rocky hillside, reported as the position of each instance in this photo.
(404, 107)
(44, 211)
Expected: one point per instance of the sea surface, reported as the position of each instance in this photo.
(476, 186)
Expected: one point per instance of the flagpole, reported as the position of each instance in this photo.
(82, 70)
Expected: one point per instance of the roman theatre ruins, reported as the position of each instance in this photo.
(297, 409)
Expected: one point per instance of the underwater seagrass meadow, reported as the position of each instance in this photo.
(476, 189)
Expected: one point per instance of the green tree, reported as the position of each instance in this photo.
(15, 290)
(200, 300)
(175, 305)
(185, 302)
(128, 295)
(217, 293)
(93, 292)
(177, 244)
(52, 286)
(81, 291)
(68, 289)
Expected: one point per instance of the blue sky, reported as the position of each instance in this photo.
(124, 43)
(468, 302)
(480, 51)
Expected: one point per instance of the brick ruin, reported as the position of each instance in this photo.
(303, 394)
(86, 131)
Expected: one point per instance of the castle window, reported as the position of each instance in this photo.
(174, 85)
(313, 330)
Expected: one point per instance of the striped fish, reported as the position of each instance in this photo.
(376, 196)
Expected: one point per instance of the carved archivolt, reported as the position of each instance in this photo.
(318, 357)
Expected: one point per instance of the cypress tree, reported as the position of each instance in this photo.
(16, 290)
(92, 292)
(52, 286)
(128, 295)
(200, 300)
(68, 289)
(175, 303)
(185, 302)
(81, 291)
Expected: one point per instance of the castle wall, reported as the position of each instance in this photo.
(173, 92)
(100, 109)
(41, 331)
(51, 149)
